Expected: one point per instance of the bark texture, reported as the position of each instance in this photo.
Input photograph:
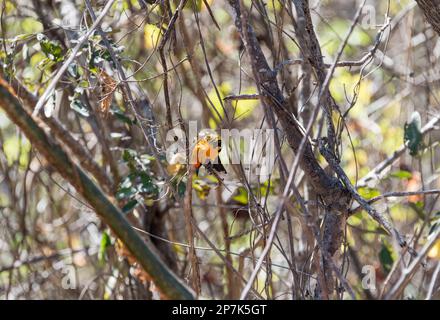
(431, 9)
(169, 285)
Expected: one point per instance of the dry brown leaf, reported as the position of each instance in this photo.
(108, 87)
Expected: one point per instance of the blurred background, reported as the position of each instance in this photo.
(54, 246)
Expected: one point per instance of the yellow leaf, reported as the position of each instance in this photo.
(202, 188)
(243, 108)
(216, 106)
(434, 253)
(151, 36)
(212, 123)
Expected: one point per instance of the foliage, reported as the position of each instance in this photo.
(150, 69)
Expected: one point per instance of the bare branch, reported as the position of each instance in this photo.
(168, 283)
(40, 103)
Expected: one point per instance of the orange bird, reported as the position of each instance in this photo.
(206, 152)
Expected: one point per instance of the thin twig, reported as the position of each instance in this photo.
(66, 64)
(376, 173)
(408, 272)
(433, 282)
(396, 194)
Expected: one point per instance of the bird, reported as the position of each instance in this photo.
(206, 153)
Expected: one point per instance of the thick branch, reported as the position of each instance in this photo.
(312, 51)
(431, 9)
(165, 280)
(328, 188)
(57, 128)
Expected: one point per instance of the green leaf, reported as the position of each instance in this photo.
(125, 193)
(147, 185)
(368, 193)
(194, 4)
(244, 108)
(385, 258)
(217, 104)
(181, 188)
(77, 106)
(105, 243)
(51, 49)
(265, 189)
(129, 155)
(130, 205)
(412, 136)
(122, 117)
(242, 196)
(401, 174)
(95, 59)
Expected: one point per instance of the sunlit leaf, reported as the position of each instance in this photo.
(104, 244)
(216, 104)
(244, 108)
(242, 196)
(152, 35)
(16, 149)
(52, 49)
(31, 25)
(434, 252)
(368, 193)
(202, 188)
(401, 174)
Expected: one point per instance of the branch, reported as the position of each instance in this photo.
(149, 137)
(164, 279)
(331, 160)
(377, 172)
(72, 57)
(187, 210)
(408, 272)
(57, 128)
(330, 190)
(396, 194)
(242, 97)
(270, 95)
(431, 9)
